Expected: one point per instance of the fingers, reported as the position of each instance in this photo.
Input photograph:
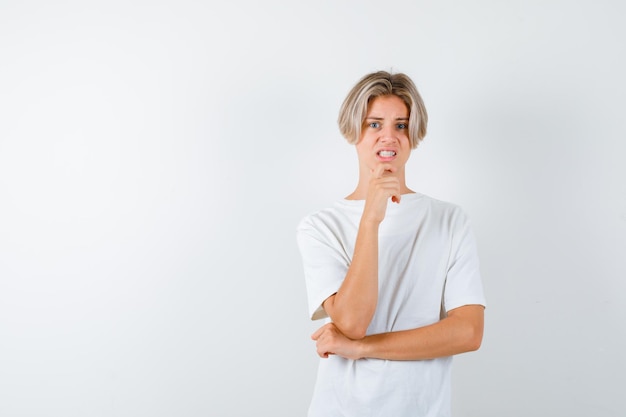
(322, 341)
(382, 180)
(324, 355)
(380, 190)
(317, 333)
(320, 331)
(380, 170)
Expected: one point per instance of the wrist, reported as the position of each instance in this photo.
(369, 222)
(361, 348)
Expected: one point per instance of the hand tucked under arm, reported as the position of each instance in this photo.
(460, 332)
(330, 341)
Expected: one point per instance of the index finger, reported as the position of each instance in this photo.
(319, 331)
(381, 168)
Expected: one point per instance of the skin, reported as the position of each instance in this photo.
(352, 307)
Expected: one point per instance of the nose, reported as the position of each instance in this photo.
(388, 134)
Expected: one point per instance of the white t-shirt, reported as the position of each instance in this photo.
(428, 265)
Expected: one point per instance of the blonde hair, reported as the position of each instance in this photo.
(382, 83)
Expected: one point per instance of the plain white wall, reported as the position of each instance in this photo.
(156, 156)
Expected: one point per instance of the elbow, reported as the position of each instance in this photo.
(356, 334)
(352, 331)
(351, 322)
(353, 326)
(469, 325)
(474, 344)
(473, 339)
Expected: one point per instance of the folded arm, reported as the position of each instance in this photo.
(460, 332)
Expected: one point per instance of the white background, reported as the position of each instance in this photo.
(156, 157)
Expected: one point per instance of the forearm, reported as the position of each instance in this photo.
(458, 333)
(354, 304)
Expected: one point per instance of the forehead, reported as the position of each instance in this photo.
(391, 105)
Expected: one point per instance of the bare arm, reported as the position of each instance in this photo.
(352, 307)
(461, 331)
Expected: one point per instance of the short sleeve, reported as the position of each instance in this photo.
(325, 264)
(463, 281)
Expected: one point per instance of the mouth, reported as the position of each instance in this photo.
(386, 153)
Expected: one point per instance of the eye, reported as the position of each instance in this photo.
(402, 126)
(374, 125)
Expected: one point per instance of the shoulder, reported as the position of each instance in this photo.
(325, 229)
(442, 208)
(333, 217)
(446, 217)
(315, 219)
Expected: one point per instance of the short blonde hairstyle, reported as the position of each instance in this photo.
(382, 83)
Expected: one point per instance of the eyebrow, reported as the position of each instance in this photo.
(381, 118)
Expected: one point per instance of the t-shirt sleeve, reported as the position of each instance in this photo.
(463, 281)
(325, 265)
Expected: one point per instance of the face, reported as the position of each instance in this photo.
(385, 133)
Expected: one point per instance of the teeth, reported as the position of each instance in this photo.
(386, 154)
